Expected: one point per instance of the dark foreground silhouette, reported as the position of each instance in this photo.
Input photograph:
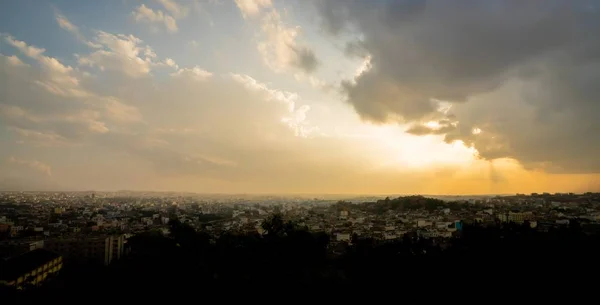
(505, 263)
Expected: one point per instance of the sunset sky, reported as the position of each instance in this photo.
(332, 96)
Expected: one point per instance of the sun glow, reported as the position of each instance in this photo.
(392, 148)
(433, 125)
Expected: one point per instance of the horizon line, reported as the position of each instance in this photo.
(286, 194)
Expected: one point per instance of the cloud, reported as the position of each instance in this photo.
(191, 130)
(34, 164)
(195, 73)
(40, 138)
(49, 104)
(193, 124)
(59, 78)
(171, 63)
(305, 60)
(13, 60)
(173, 11)
(203, 131)
(64, 23)
(177, 10)
(145, 14)
(296, 119)
(286, 97)
(119, 111)
(67, 25)
(252, 8)
(278, 42)
(30, 51)
(525, 73)
(227, 128)
(279, 47)
(122, 53)
(423, 129)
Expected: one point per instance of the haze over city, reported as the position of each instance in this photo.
(337, 97)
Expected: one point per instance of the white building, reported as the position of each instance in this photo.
(342, 237)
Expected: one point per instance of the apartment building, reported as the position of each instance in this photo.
(90, 249)
(31, 268)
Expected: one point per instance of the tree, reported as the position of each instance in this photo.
(274, 225)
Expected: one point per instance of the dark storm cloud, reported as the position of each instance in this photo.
(526, 72)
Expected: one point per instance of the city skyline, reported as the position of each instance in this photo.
(300, 97)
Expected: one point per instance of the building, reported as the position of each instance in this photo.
(14, 248)
(343, 237)
(516, 217)
(31, 268)
(89, 249)
(118, 245)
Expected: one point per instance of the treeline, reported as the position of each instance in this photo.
(504, 262)
(405, 203)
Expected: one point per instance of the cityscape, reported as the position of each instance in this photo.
(43, 233)
(406, 151)
(58, 220)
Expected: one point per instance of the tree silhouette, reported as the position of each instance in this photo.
(275, 226)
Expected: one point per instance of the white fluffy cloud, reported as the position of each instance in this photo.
(122, 53)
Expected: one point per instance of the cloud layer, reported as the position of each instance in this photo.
(197, 113)
(193, 125)
(525, 74)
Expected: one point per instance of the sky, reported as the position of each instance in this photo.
(290, 97)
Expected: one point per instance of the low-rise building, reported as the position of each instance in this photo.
(31, 268)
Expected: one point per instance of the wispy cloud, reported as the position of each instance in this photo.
(177, 10)
(67, 25)
(33, 164)
(196, 73)
(145, 14)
